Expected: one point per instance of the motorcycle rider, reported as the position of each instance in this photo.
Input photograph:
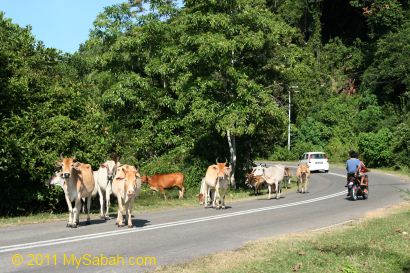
(351, 166)
(361, 170)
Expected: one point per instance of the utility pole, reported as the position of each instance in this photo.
(289, 89)
(289, 122)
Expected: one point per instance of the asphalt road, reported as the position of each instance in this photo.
(178, 235)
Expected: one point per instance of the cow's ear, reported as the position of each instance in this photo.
(214, 167)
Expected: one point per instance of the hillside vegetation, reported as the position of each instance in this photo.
(165, 86)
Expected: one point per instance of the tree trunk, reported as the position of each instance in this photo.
(232, 150)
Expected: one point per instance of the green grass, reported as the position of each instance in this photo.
(374, 245)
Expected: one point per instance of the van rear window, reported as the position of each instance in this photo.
(317, 156)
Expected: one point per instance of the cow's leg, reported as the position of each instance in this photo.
(163, 193)
(212, 196)
(298, 182)
(223, 199)
(217, 198)
(206, 194)
(181, 192)
(120, 209)
(88, 210)
(70, 211)
(107, 203)
(270, 190)
(101, 196)
(129, 212)
(277, 186)
(306, 185)
(76, 212)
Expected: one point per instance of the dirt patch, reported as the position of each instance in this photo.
(383, 212)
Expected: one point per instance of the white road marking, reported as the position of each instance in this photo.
(91, 236)
(335, 225)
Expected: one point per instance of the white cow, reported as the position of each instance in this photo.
(273, 175)
(78, 184)
(103, 179)
(126, 186)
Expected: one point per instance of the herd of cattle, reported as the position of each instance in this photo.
(81, 183)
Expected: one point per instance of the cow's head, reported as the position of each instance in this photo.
(145, 179)
(57, 179)
(222, 169)
(111, 167)
(130, 178)
(259, 170)
(304, 170)
(67, 164)
(250, 181)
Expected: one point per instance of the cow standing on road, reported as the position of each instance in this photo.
(103, 179)
(216, 177)
(303, 175)
(126, 186)
(78, 183)
(273, 176)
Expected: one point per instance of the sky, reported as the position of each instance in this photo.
(62, 24)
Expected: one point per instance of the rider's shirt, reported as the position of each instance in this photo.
(351, 165)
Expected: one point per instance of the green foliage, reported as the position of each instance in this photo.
(162, 87)
(375, 148)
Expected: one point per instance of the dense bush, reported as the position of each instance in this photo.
(162, 88)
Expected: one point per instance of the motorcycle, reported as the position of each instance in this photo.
(356, 188)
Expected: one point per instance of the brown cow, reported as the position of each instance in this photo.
(217, 177)
(288, 177)
(78, 183)
(159, 182)
(255, 181)
(126, 186)
(303, 174)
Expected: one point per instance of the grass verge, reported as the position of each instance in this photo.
(379, 243)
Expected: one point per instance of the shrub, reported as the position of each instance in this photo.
(375, 148)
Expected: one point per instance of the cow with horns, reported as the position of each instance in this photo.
(217, 177)
(78, 184)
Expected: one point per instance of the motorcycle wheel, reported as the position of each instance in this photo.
(365, 196)
(353, 194)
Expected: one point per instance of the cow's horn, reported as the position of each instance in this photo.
(62, 155)
(217, 160)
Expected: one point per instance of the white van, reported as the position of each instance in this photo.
(317, 161)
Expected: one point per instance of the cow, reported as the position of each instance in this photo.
(210, 193)
(303, 175)
(58, 180)
(103, 179)
(273, 176)
(159, 182)
(254, 181)
(126, 186)
(216, 177)
(78, 184)
(288, 177)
